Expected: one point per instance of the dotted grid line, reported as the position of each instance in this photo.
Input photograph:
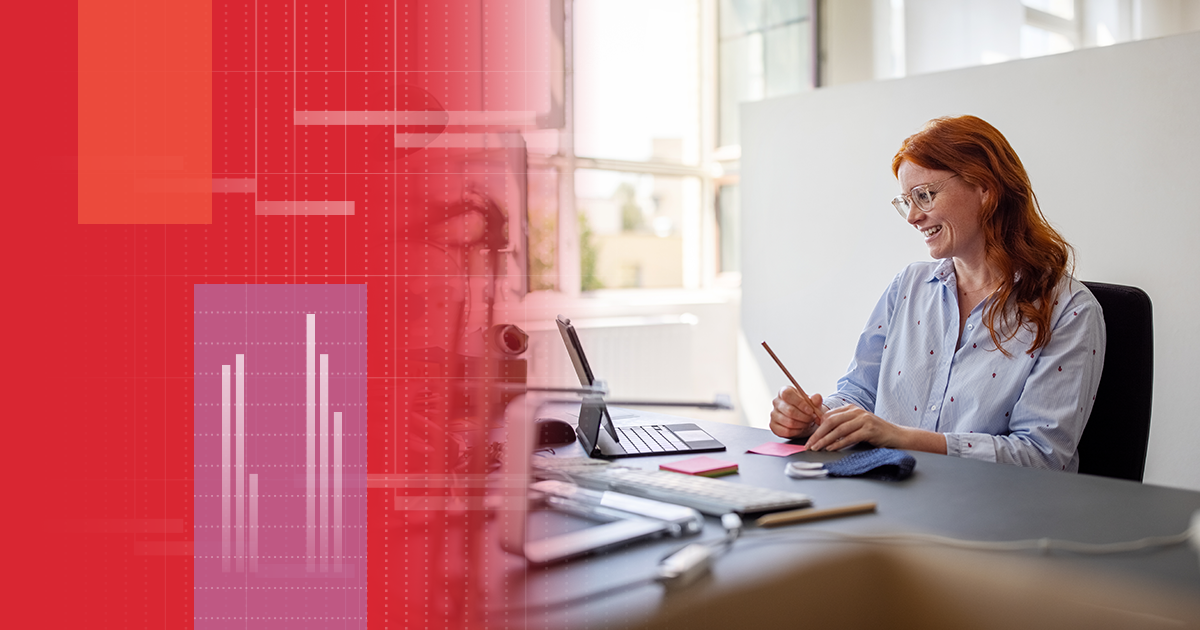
(260, 557)
(440, 71)
(257, 405)
(243, 175)
(273, 618)
(273, 434)
(359, 466)
(299, 312)
(293, 375)
(276, 588)
(343, 375)
(277, 343)
(273, 527)
(287, 275)
(273, 496)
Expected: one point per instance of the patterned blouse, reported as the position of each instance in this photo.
(912, 369)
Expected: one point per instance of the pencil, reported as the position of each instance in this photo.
(811, 514)
(791, 378)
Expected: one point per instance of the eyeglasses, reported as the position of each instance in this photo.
(921, 195)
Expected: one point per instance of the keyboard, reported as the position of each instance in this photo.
(710, 496)
(650, 439)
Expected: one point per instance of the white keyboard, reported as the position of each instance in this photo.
(710, 496)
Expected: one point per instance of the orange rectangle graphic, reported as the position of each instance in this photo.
(145, 111)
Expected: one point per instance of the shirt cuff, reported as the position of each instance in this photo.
(834, 401)
(971, 446)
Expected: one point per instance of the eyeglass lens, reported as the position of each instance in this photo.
(921, 196)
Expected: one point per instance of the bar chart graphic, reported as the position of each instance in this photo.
(280, 456)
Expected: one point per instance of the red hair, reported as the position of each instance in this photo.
(1030, 256)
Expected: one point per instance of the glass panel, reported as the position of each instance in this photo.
(783, 11)
(631, 228)
(1036, 42)
(1061, 8)
(742, 79)
(728, 221)
(543, 228)
(788, 59)
(739, 17)
(1107, 23)
(637, 80)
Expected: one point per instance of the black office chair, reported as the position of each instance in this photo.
(1114, 442)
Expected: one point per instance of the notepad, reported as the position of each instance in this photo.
(704, 466)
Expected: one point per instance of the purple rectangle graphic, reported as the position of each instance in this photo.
(254, 347)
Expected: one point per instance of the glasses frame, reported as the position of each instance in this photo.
(904, 201)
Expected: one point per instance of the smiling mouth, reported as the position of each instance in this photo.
(931, 231)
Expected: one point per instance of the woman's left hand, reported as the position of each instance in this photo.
(849, 425)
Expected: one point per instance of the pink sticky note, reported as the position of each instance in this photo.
(778, 449)
(702, 465)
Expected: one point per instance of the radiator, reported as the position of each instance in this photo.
(649, 357)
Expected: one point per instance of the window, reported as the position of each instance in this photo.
(637, 187)
(632, 228)
(635, 183)
(1054, 26)
(729, 232)
(638, 175)
(1050, 28)
(765, 50)
(637, 80)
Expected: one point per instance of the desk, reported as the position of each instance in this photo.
(946, 496)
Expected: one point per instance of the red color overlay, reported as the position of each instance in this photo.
(108, 230)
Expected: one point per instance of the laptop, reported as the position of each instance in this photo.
(626, 441)
(583, 536)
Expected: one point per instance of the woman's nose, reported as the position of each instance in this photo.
(914, 214)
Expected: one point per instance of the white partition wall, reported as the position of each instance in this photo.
(1111, 139)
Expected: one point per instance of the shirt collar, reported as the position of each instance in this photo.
(944, 271)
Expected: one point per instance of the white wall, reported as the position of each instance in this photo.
(1111, 139)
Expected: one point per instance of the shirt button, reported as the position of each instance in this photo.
(970, 326)
(933, 407)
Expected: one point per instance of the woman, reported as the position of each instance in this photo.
(992, 351)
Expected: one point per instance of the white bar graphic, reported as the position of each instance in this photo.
(304, 208)
(467, 141)
(337, 492)
(239, 411)
(254, 523)
(310, 433)
(324, 407)
(463, 118)
(234, 185)
(226, 534)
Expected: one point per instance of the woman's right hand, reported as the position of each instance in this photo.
(792, 415)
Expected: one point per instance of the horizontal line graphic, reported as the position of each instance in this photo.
(507, 119)
(304, 208)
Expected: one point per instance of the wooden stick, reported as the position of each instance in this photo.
(811, 514)
(816, 412)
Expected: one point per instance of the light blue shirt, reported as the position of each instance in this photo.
(910, 368)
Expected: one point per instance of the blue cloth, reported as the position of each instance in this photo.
(878, 463)
(910, 368)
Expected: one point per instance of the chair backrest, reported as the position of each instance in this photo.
(1114, 442)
